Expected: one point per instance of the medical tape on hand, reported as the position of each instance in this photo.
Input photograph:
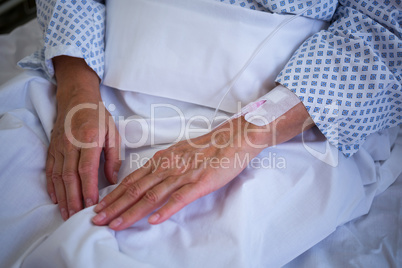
(270, 106)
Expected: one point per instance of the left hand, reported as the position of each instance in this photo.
(178, 175)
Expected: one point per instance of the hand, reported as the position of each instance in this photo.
(83, 127)
(176, 176)
(191, 169)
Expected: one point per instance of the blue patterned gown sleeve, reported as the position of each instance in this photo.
(348, 76)
(72, 28)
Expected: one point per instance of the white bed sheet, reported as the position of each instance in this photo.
(212, 231)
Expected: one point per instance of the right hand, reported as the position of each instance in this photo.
(83, 128)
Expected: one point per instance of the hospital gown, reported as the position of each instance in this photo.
(348, 76)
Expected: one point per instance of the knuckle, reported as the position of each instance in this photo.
(204, 179)
(172, 180)
(203, 186)
(151, 197)
(68, 146)
(118, 162)
(127, 181)
(177, 180)
(162, 169)
(56, 177)
(149, 164)
(49, 184)
(66, 140)
(62, 202)
(112, 210)
(86, 168)
(69, 176)
(161, 174)
(178, 197)
(89, 135)
(49, 172)
(50, 158)
(158, 154)
(134, 190)
(72, 205)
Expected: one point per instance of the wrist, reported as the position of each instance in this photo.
(282, 129)
(242, 136)
(71, 70)
(255, 137)
(76, 82)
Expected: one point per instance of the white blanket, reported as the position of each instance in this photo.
(265, 218)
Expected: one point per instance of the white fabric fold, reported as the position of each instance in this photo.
(205, 44)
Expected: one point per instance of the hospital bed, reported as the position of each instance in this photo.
(32, 229)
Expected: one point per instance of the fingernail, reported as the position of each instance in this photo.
(71, 212)
(89, 202)
(100, 217)
(154, 218)
(64, 214)
(115, 177)
(100, 206)
(53, 197)
(116, 223)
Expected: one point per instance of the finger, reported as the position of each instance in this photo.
(178, 200)
(125, 184)
(72, 181)
(145, 206)
(135, 192)
(49, 171)
(112, 154)
(152, 199)
(57, 180)
(88, 171)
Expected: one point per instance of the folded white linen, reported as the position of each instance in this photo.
(151, 43)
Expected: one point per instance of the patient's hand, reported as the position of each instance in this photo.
(82, 129)
(188, 170)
